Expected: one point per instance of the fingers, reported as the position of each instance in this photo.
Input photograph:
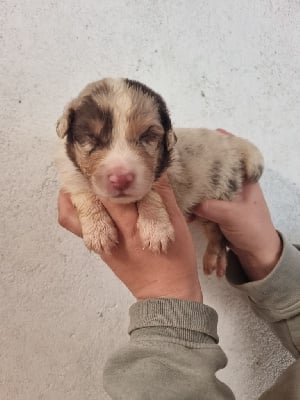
(251, 192)
(124, 215)
(67, 215)
(217, 211)
(163, 188)
(222, 212)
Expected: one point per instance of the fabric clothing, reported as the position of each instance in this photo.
(173, 352)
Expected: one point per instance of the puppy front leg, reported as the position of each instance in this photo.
(155, 228)
(215, 254)
(98, 230)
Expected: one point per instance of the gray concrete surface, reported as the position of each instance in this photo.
(230, 64)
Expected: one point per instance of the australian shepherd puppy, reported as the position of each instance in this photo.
(117, 140)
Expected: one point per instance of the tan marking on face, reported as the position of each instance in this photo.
(95, 126)
(89, 162)
(143, 115)
(149, 158)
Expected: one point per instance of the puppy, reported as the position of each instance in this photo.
(117, 141)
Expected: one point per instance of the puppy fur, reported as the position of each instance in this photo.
(117, 140)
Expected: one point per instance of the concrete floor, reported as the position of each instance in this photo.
(230, 64)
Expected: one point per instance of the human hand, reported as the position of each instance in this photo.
(246, 223)
(146, 274)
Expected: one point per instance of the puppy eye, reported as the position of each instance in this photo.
(148, 137)
(92, 146)
(91, 150)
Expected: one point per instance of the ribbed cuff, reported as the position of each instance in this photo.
(178, 319)
(278, 294)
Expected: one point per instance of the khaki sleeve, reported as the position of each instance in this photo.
(172, 354)
(276, 299)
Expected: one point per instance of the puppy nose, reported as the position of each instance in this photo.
(121, 180)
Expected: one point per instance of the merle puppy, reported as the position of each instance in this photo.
(117, 141)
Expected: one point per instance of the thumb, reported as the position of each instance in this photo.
(163, 188)
(217, 211)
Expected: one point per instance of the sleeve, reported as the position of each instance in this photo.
(276, 298)
(172, 354)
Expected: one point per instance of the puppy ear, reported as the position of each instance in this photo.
(64, 123)
(171, 139)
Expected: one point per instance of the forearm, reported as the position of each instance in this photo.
(172, 354)
(276, 298)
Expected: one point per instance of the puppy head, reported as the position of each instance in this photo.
(118, 133)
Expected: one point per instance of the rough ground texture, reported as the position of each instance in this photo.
(226, 64)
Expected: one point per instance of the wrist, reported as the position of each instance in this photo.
(260, 262)
(191, 292)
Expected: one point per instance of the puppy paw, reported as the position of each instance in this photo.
(215, 261)
(155, 235)
(154, 226)
(252, 161)
(215, 256)
(100, 234)
(98, 230)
